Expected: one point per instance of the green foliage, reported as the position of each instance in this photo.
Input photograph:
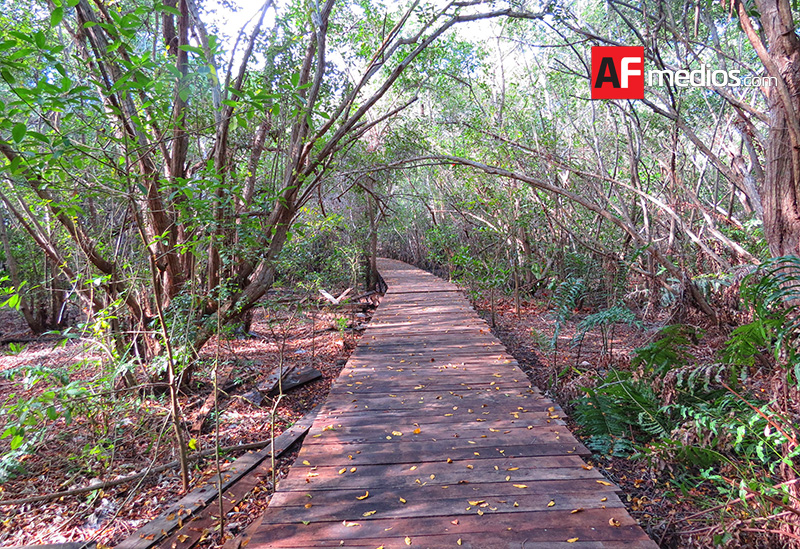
(619, 412)
(773, 292)
(605, 320)
(567, 296)
(671, 350)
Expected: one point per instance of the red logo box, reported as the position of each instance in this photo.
(617, 72)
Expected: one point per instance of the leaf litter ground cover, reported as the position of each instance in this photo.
(122, 436)
(670, 508)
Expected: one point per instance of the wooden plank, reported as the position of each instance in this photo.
(157, 529)
(536, 526)
(430, 408)
(297, 378)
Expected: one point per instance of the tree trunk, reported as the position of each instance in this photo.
(781, 57)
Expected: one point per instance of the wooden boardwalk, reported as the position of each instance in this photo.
(433, 437)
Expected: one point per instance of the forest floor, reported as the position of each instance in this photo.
(126, 434)
(663, 505)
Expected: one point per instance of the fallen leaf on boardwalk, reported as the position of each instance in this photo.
(513, 469)
(365, 496)
(516, 504)
(476, 502)
(305, 462)
(551, 503)
(417, 431)
(402, 500)
(454, 522)
(397, 433)
(572, 540)
(604, 483)
(578, 510)
(587, 467)
(413, 468)
(305, 522)
(508, 477)
(343, 470)
(350, 524)
(408, 540)
(459, 541)
(520, 486)
(182, 538)
(369, 513)
(308, 505)
(480, 513)
(449, 460)
(604, 499)
(433, 477)
(470, 466)
(614, 522)
(352, 469)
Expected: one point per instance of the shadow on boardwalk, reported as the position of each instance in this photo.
(433, 437)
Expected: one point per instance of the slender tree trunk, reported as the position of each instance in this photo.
(781, 57)
(13, 270)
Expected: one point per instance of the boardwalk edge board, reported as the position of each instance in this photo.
(152, 533)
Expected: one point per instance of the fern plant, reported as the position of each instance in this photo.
(774, 293)
(619, 413)
(605, 321)
(671, 350)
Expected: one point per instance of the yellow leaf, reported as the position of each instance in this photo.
(352, 469)
(604, 483)
(433, 477)
(578, 510)
(413, 468)
(520, 486)
(572, 540)
(408, 540)
(513, 469)
(449, 460)
(477, 502)
(369, 513)
(416, 432)
(402, 500)
(305, 462)
(604, 499)
(587, 467)
(470, 466)
(614, 522)
(343, 470)
(397, 433)
(551, 503)
(192, 444)
(308, 505)
(350, 524)
(459, 541)
(365, 496)
(182, 538)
